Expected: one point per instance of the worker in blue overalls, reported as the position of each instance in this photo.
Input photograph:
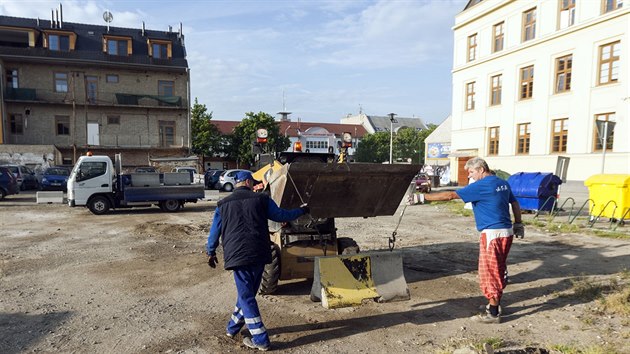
(241, 220)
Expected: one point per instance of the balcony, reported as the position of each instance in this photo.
(148, 100)
(20, 94)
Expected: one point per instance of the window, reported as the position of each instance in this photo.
(91, 169)
(113, 119)
(567, 13)
(91, 89)
(529, 25)
(598, 136)
(160, 49)
(111, 78)
(317, 144)
(609, 63)
(166, 88)
(497, 37)
(493, 140)
(117, 45)
(495, 90)
(559, 135)
(563, 73)
(610, 5)
(16, 121)
(62, 124)
(12, 78)
(522, 146)
(527, 82)
(470, 96)
(59, 42)
(167, 133)
(472, 47)
(61, 82)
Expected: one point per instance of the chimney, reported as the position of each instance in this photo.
(170, 29)
(142, 28)
(179, 35)
(52, 18)
(60, 16)
(57, 18)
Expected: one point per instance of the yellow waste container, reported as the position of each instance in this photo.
(604, 188)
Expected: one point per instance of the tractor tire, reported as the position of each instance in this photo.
(170, 205)
(346, 245)
(271, 275)
(99, 205)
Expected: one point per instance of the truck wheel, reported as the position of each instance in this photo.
(99, 205)
(170, 205)
(228, 187)
(271, 275)
(346, 245)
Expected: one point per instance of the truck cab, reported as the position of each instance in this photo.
(91, 175)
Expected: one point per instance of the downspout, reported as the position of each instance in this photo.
(3, 133)
(188, 110)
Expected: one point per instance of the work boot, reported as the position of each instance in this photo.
(250, 344)
(487, 318)
(486, 308)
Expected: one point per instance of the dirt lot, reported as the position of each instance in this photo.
(137, 281)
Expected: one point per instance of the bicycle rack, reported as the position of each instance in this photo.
(553, 205)
(557, 210)
(621, 220)
(593, 220)
(580, 210)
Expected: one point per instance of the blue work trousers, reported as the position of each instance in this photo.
(247, 279)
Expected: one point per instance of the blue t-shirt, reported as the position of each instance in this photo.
(490, 198)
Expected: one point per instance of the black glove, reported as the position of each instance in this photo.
(519, 230)
(213, 261)
(305, 208)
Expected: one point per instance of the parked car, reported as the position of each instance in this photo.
(26, 178)
(55, 179)
(211, 179)
(145, 169)
(8, 183)
(423, 183)
(227, 179)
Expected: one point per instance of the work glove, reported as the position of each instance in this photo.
(213, 261)
(305, 208)
(519, 230)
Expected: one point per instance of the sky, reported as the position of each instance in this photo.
(320, 60)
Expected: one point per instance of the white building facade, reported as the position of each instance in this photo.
(531, 79)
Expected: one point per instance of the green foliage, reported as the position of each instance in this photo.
(205, 137)
(408, 144)
(373, 148)
(245, 133)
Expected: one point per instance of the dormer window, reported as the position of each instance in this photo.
(160, 49)
(113, 45)
(59, 41)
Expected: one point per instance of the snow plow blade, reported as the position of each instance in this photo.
(342, 190)
(344, 281)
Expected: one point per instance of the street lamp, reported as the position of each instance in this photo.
(391, 135)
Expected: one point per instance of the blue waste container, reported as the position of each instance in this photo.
(535, 190)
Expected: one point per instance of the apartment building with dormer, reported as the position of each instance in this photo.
(538, 79)
(76, 87)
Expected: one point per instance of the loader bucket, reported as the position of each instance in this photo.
(344, 281)
(342, 190)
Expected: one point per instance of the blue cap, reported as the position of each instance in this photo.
(243, 176)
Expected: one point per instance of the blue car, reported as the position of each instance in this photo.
(55, 179)
(8, 183)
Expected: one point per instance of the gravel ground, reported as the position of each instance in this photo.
(136, 281)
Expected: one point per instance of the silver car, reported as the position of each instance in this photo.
(227, 179)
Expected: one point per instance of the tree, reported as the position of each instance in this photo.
(205, 137)
(373, 148)
(245, 134)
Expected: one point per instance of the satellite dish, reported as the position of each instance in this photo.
(108, 17)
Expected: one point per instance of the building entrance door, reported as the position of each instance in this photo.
(462, 174)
